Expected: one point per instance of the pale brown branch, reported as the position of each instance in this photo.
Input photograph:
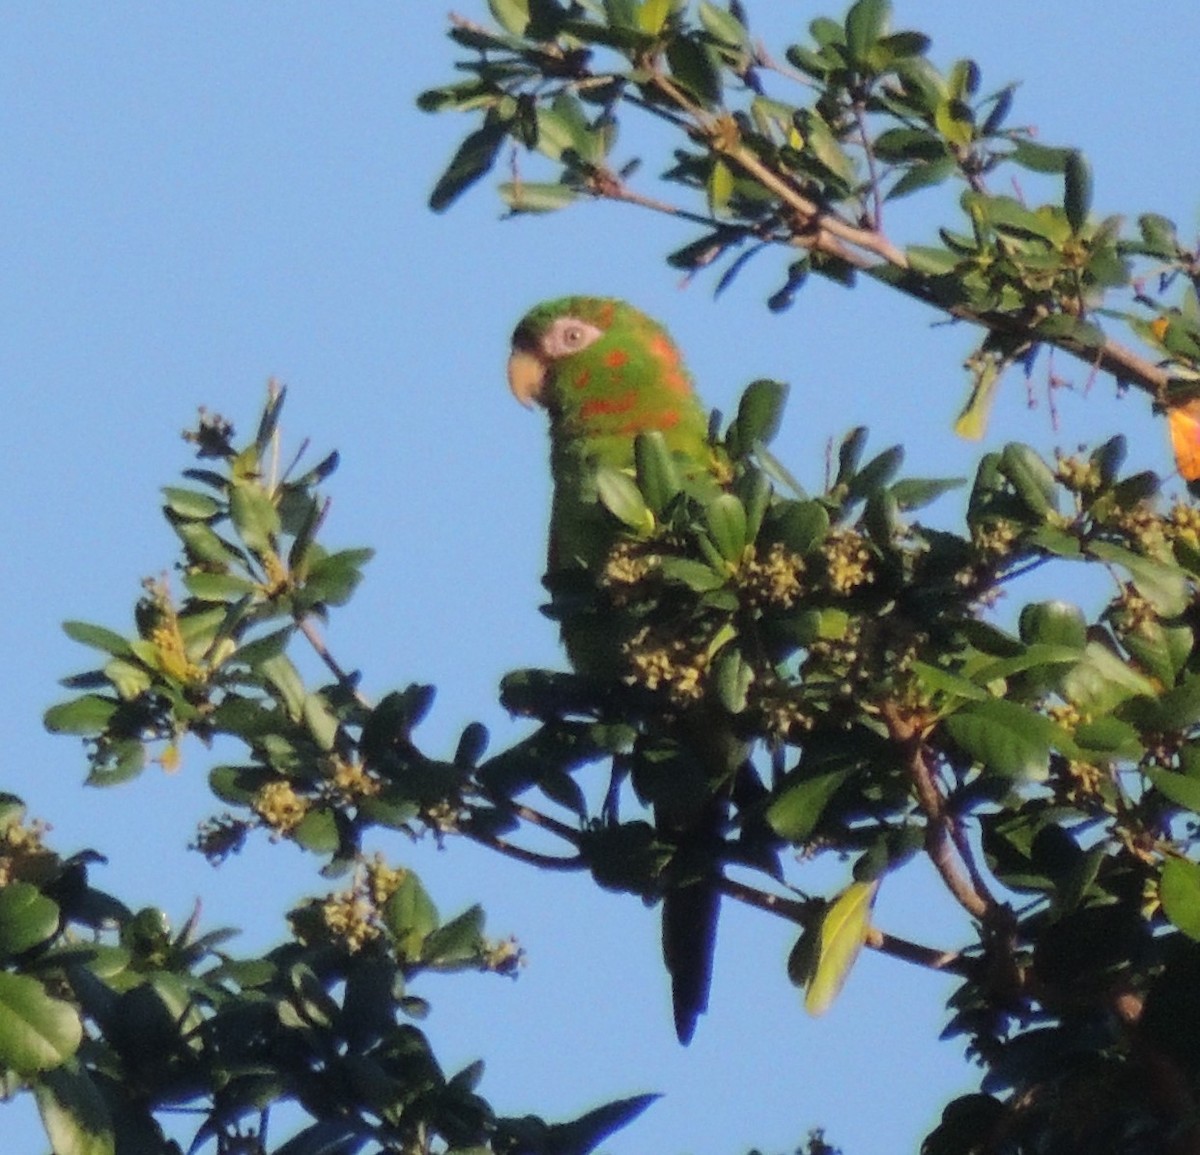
(345, 680)
(824, 231)
(521, 854)
(940, 841)
(801, 911)
(545, 822)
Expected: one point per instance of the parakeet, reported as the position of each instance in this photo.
(605, 372)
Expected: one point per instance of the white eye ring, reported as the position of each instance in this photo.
(568, 335)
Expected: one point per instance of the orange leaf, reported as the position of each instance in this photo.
(1184, 422)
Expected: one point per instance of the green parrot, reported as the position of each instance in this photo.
(605, 372)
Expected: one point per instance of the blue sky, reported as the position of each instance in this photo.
(199, 197)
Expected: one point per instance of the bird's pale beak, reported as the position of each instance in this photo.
(526, 376)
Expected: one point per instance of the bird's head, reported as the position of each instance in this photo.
(599, 366)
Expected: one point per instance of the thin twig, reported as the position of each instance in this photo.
(521, 854)
(346, 681)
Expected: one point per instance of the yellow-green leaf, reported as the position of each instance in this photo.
(843, 932)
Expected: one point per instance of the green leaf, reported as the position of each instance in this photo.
(1054, 623)
(917, 492)
(652, 15)
(940, 681)
(1163, 584)
(321, 721)
(723, 26)
(511, 15)
(410, 916)
(531, 197)
(1007, 738)
(1181, 789)
(954, 120)
(696, 575)
(190, 504)
(877, 472)
(619, 494)
(74, 1113)
(822, 144)
(658, 475)
(204, 545)
(37, 1032)
(1108, 737)
(794, 814)
(694, 65)
(719, 187)
(799, 525)
(254, 515)
(87, 715)
(733, 676)
(97, 637)
(458, 941)
(1179, 892)
(1102, 680)
(1077, 190)
(866, 22)
(930, 261)
(726, 519)
(759, 415)
(27, 918)
(332, 579)
(285, 679)
(843, 931)
(218, 587)
(317, 832)
(1040, 157)
(1031, 477)
(472, 161)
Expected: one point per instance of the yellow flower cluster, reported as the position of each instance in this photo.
(1183, 524)
(1069, 717)
(672, 666)
(23, 858)
(1083, 781)
(1078, 475)
(1132, 609)
(847, 560)
(382, 881)
(772, 580)
(442, 817)
(504, 957)
(353, 779)
(995, 538)
(627, 564)
(161, 628)
(350, 918)
(279, 806)
(275, 574)
(782, 713)
(1146, 529)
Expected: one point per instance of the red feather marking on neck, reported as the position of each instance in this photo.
(582, 379)
(607, 406)
(616, 358)
(667, 354)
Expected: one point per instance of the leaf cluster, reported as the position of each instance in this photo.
(807, 153)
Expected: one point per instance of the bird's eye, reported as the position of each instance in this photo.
(573, 336)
